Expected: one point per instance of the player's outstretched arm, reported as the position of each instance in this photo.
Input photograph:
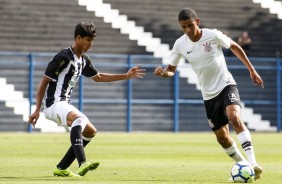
(134, 72)
(168, 71)
(238, 51)
(39, 96)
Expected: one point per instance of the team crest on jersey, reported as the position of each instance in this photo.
(208, 47)
(232, 97)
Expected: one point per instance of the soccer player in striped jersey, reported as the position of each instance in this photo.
(203, 49)
(60, 77)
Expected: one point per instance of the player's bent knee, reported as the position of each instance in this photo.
(234, 119)
(224, 141)
(89, 131)
(95, 132)
(237, 124)
(92, 133)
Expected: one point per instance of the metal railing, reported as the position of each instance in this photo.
(31, 60)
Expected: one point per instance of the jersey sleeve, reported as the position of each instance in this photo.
(223, 40)
(89, 70)
(55, 66)
(175, 55)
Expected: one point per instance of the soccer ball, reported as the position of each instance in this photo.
(242, 172)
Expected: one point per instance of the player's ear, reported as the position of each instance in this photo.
(198, 21)
(78, 38)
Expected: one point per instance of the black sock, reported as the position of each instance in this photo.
(77, 144)
(69, 157)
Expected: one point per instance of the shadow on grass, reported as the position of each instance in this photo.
(54, 178)
(41, 178)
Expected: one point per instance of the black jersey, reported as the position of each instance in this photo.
(65, 70)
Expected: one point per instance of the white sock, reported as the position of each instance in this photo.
(234, 152)
(246, 142)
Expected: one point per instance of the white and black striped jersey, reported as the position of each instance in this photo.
(65, 70)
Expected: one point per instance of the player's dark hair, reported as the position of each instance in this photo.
(186, 14)
(85, 29)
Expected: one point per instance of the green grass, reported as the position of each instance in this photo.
(134, 158)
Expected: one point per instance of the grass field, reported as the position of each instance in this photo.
(134, 158)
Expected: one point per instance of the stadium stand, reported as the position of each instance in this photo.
(47, 26)
(10, 121)
(50, 24)
(160, 18)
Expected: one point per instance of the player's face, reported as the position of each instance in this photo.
(85, 43)
(190, 28)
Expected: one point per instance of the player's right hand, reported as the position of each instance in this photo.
(159, 71)
(256, 79)
(32, 119)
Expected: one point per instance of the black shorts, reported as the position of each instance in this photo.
(216, 107)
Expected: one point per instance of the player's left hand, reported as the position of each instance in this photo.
(135, 72)
(256, 79)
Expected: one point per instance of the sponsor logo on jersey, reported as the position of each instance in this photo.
(188, 52)
(208, 47)
(72, 83)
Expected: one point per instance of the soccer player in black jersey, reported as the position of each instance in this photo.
(60, 77)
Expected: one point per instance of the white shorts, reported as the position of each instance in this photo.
(58, 113)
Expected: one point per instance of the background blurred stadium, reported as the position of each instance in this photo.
(128, 33)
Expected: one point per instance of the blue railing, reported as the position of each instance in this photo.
(129, 101)
(278, 92)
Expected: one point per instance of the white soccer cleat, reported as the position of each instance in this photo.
(258, 171)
